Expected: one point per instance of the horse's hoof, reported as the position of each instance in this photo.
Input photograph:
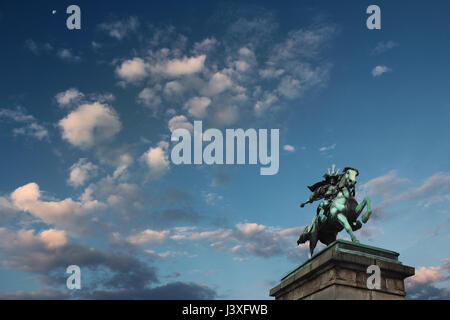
(366, 216)
(355, 241)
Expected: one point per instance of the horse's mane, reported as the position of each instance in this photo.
(350, 168)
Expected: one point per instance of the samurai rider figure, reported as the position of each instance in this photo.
(327, 190)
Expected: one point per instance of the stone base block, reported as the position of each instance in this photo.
(339, 272)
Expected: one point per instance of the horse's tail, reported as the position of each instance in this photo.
(304, 236)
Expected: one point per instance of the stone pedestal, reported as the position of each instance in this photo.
(339, 272)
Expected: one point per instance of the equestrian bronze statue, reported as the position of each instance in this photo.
(338, 209)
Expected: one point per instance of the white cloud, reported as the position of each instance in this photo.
(33, 129)
(149, 98)
(191, 234)
(271, 73)
(384, 185)
(197, 106)
(148, 236)
(125, 160)
(244, 239)
(179, 122)
(241, 65)
(205, 45)
(68, 55)
(30, 125)
(379, 70)
(66, 213)
(120, 29)
(289, 87)
(133, 70)
(384, 46)
(218, 83)
(244, 51)
(53, 238)
(50, 238)
(262, 105)
(173, 88)
(157, 159)
(225, 115)
(212, 198)
(89, 124)
(184, 66)
(249, 229)
(81, 172)
(327, 148)
(68, 97)
(431, 191)
(38, 48)
(289, 148)
(426, 275)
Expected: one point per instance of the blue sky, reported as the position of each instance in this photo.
(86, 117)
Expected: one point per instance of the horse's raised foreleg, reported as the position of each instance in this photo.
(365, 217)
(344, 222)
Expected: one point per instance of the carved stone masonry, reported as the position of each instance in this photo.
(339, 272)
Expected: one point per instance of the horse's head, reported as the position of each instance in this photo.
(349, 176)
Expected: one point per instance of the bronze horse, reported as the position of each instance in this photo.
(341, 213)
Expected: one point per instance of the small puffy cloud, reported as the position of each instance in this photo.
(50, 239)
(68, 55)
(53, 238)
(124, 161)
(33, 129)
(225, 115)
(218, 83)
(327, 148)
(157, 159)
(179, 122)
(133, 70)
(241, 65)
(264, 103)
(197, 106)
(289, 87)
(379, 70)
(30, 126)
(288, 148)
(384, 185)
(68, 97)
(192, 234)
(149, 98)
(81, 172)
(212, 198)
(173, 88)
(184, 66)
(148, 236)
(65, 214)
(101, 97)
(89, 124)
(382, 47)
(120, 29)
(249, 229)
(271, 73)
(427, 275)
(244, 51)
(95, 45)
(206, 45)
(37, 48)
